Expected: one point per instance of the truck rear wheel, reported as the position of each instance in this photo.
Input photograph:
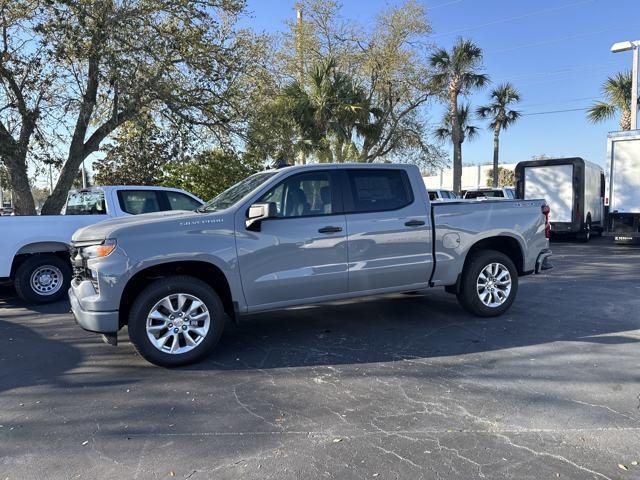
(42, 279)
(585, 235)
(176, 321)
(489, 284)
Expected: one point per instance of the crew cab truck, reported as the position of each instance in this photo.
(574, 189)
(293, 236)
(34, 250)
(624, 187)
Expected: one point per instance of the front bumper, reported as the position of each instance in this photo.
(543, 262)
(97, 322)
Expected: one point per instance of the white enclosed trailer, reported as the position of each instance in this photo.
(573, 188)
(624, 186)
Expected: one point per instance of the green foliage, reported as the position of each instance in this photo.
(80, 69)
(137, 155)
(208, 173)
(325, 119)
(385, 70)
(469, 132)
(500, 117)
(457, 72)
(617, 93)
(498, 112)
(506, 177)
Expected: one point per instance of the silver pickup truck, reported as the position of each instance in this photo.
(293, 236)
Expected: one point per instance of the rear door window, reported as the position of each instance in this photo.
(379, 190)
(136, 202)
(180, 201)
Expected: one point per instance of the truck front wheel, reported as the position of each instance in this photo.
(176, 321)
(42, 279)
(489, 284)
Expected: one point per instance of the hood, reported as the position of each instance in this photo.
(108, 228)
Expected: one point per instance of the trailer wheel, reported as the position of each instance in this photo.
(585, 235)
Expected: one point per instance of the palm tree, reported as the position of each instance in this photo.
(501, 118)
(445, 131)
(457, 73)
(329, 112)
(617, 94)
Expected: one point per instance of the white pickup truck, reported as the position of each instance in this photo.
(34, 250)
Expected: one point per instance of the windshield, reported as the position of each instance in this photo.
(86, 203)
(231, 195)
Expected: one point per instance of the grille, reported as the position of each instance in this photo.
(79, 264)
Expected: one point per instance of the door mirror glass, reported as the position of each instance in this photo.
(259, 212)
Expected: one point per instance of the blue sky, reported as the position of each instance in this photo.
(556, 52)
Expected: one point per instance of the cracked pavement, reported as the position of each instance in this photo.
(401, 386)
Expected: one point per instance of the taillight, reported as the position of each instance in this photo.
(547, 226)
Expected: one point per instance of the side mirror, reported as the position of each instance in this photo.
(259, 212)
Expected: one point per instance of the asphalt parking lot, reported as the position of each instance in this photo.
(396, 387)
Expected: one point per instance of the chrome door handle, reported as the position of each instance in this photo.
(414, 223)
(330, 229)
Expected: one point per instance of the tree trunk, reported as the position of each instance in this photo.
(22, 197)
(57, 199)
(456, 137)
(625, 119)
(14, 156)
(496, 163)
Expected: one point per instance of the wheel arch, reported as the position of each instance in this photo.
(207, 272)
(59, 249)
(508, 245)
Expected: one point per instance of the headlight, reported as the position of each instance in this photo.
(98, 251)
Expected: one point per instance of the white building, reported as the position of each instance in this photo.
(474, 176)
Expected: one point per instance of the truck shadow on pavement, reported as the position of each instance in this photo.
(386, 330)
(28, 359)
(10, 299)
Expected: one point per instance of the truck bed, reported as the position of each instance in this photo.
(458, 225)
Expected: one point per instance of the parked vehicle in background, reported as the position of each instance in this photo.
(295, 236)
(624, 186)
(482, 193)
(34, 250)
(573, 188)
(442, 195)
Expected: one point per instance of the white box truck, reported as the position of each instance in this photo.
(623, 153)
(574, 190)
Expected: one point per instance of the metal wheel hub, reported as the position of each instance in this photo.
(46, 280)
(494, 285)
(178, 323)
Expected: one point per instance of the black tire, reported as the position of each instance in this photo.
(57, 288)
(155, 292)
(468, 295)
(585, 235)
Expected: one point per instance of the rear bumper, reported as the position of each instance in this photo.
(97, 322)
(623, 237)
(543, 262)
